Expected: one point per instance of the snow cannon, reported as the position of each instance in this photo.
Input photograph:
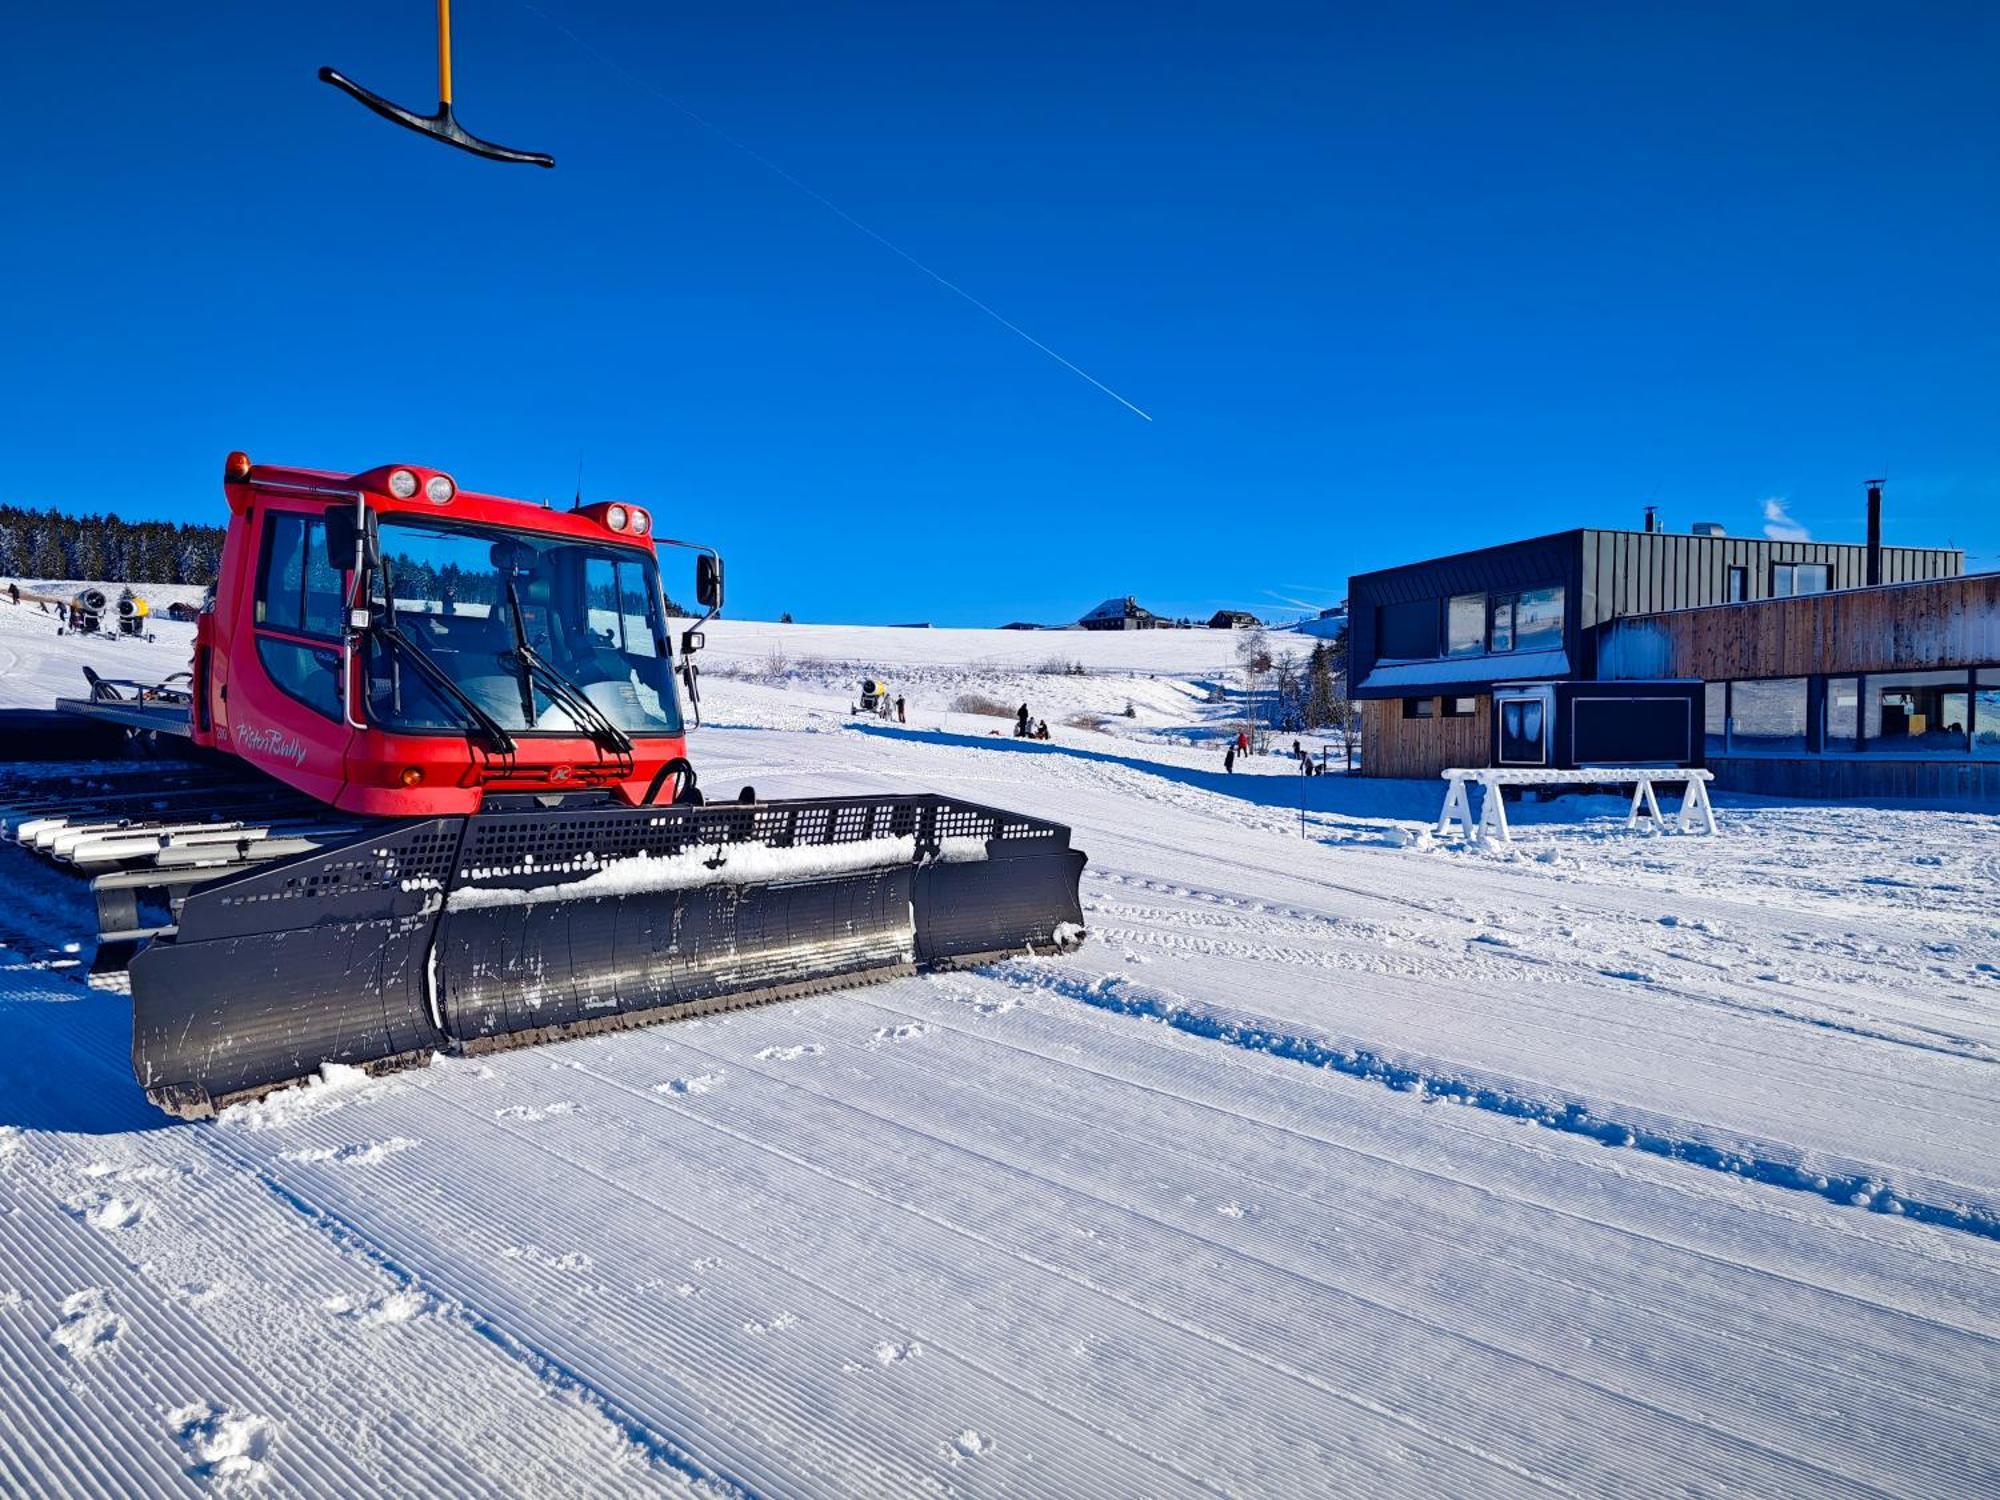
(85, 612)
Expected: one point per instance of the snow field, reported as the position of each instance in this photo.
(1336, 1161)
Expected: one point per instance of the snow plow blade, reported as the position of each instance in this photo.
(526, 923)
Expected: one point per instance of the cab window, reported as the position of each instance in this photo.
(296, 588)
(298, 595)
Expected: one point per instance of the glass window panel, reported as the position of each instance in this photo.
(464, 595)
(1461, 708)
(1538, 620)
(1407, 632)
(1465, 628)
(322, 607)
(1811, 578)
(281, 586)
(1986, 716)
(310, 674)
(1768, 716)
(1918, 713)
(1502, 629)
(1716, 721)
(639, 612)
(1843, 713)
(1420, 708)
(1739, 584)
(1521, 732)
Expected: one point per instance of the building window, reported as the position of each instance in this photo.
(1420, 708)
(1919, 713)
(1716, 717)
(1986, 714)
(1465, 625)
(1531, 620)
(1407, 632)
(1788, 579)
(1739, 584)
(1842, 724)
(1523, 731)
(1461, 708)
(1768, 716)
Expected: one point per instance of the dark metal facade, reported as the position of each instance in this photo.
(1605, 575)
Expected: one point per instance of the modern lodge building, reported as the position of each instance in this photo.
(1788, 668)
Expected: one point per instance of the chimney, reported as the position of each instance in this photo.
(1652, 518)
(1874, 532)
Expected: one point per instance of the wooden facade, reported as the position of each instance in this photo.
(1395, 746)
(1953, 622)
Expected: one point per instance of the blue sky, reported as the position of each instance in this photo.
(1390, 280)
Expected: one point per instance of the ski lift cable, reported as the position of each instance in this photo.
(827, 203)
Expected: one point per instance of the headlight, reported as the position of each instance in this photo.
(616, 518)
(402, 483)
(439, 489)
(640, 522)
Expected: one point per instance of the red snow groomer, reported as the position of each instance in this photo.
(505, 840)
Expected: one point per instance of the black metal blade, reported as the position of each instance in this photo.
(530, 922)
(441, 126)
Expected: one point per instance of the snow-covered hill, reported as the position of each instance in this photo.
(1336, 1162)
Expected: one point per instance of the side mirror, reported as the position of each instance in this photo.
(692, 641)
(708, 581)
(342, 533)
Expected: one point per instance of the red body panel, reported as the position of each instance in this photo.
(342, 760)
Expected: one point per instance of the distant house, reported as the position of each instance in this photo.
(1022, 625)
(1120, 614)
(1233, 619)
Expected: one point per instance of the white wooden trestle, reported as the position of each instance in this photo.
(1695, 810)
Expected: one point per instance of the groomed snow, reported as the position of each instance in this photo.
(1336, 1161)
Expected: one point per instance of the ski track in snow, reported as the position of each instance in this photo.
(1349, 1163)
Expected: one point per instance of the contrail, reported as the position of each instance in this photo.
(828, 204)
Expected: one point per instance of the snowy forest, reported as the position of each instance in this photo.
(49, 544)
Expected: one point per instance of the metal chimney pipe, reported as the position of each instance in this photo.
(1874, 532)
(1652, 518)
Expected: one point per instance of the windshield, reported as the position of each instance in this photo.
(468, 598)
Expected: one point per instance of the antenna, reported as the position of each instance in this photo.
(577, 503)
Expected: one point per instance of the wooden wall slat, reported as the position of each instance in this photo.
(1392, 745)
(1943, 623)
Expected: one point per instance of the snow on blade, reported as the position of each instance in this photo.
(724, 864)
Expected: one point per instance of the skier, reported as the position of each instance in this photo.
(901, 718)
(1042, 729)
(14, 593)
(1229, 759)
(1242, 742)
(1021, 723)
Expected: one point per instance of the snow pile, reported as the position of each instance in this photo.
(225, 1448)
(89, 1327)
(337, 1086)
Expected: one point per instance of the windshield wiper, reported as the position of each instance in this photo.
(501, 742)
(522, 651)
(566, 693)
